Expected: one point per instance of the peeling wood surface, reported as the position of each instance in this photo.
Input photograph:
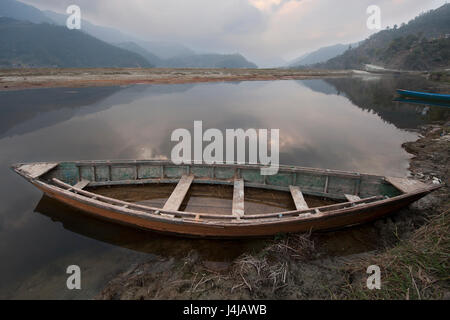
(35, 170)
(406, 185)
(176, 198)
(352, 198)
(82, 184)
(298, 198)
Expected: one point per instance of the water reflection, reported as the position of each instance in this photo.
(348, 124)
(425, 103)
(379, 96)
(139, 240)
(319, 85)
(31, 110)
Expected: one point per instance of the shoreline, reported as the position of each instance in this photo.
(297, 267)
(20, 79)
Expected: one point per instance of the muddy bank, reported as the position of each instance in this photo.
(16, 79)
(324, 265)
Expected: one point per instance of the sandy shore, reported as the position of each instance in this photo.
(15, 79)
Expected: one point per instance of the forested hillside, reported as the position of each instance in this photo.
(422, 44)
(26, 44)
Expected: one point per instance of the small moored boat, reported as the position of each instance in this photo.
(424, 95)
(350, 198)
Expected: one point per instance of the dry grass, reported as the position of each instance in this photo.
(270, 268)
(417, 268)
(295, 246)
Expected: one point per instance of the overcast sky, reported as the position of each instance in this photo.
(262, 30)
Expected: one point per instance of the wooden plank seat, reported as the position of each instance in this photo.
(298, 198)
(82, 184)
(238, 198)
(176, 198)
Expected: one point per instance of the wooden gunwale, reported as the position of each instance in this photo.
(282, 168)
(293, 170)
(275, 220)
(232, 229)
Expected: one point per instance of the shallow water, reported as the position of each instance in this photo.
(348, 124)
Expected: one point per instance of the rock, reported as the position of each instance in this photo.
(427, 202)
(436, 180)
(419, 175)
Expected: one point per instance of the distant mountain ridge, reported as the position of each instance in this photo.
(21, 11)
(106, 34)
(162, 50)
(321, 55)
(133, 47)
(421, 44)
(165, 50)
(155, 53)
(212, 60)
(26, 44)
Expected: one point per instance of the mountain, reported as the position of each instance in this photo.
(209, 61)
(26, 44)
(157, 53)
(154, 53)
(133, 47)
(296, 61)
(156, 50)
(166, 50)
(106, 34)
(321, 55)
(191, 60)
(21, 11)
(422, 44)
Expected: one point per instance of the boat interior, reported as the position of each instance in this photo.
(216, 190)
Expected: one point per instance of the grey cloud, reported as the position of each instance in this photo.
(289, 28)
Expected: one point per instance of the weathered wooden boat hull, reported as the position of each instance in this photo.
(379, 196)
(337, 220)
(424, 95)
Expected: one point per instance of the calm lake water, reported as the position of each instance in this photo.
(350, 124)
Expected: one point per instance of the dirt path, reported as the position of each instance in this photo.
(17, 79)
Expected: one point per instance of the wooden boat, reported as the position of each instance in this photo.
(424, 95)
(357, 198)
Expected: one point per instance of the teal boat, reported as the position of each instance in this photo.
(424, 95)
